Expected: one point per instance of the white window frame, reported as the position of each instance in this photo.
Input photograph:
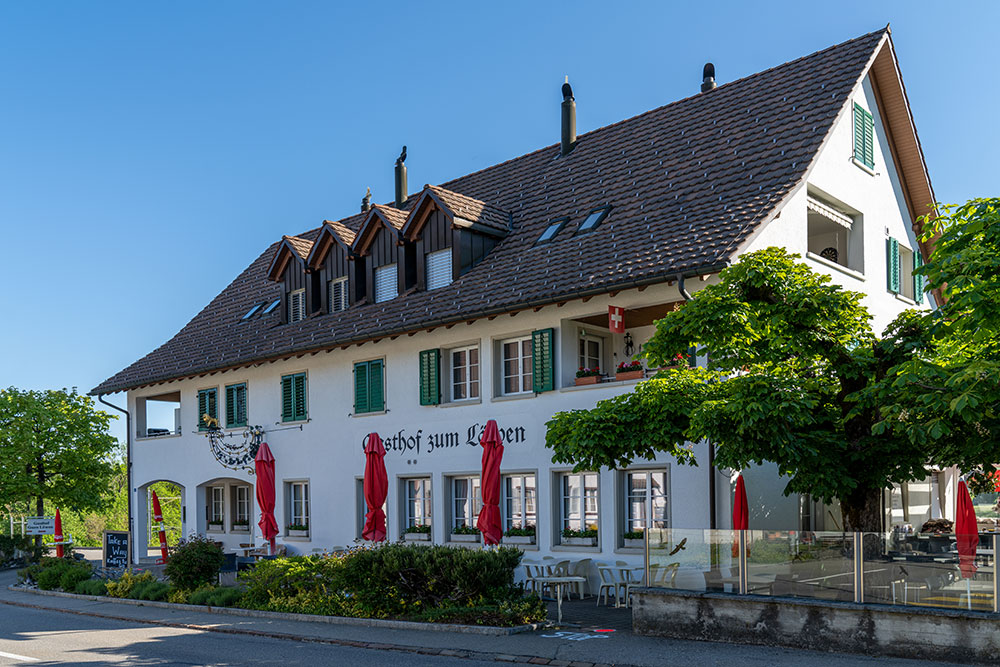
(468, 384)
(298, 508)
(241, 504)
(588, 505)
(217, 504)
(524, 368)
(380, 273)
(906, 272)
(417, 491)
(582, 358)
(335, 305)
(444, 256)
(526, 504)
(630, 521)
(470, 502)
(297, 297)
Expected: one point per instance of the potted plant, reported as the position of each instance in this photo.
(518, 535)
(679, 360)
(241, 526)
(588, 376)
(635, 539)
(465, 533)
(214, 525)
(629, 370)
(417, 533)
(298, 530)
(579, 538)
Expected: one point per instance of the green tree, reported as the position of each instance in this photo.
(54, 446)
(798, 378)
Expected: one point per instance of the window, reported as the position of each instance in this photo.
(293, 397)
(297, 305)
(864, 136)
(519, 501)
(593, 219)
(236, 405)
(907, 259)
(270, 309)
(900, 265)
(216, 505)
(369, 388)
(834, 235)
(298, 505)
(418, 502)
(337, 297)
(591, 351)
(579, 508)
(516, 362)
(158, 416)
(438, 269)
(250, 313)
(467, 500)
(386, 287)
(645, 500)
(241, 507)
(208, 405)
(465, 373)
(551, 231)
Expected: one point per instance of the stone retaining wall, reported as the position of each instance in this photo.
(911, 632)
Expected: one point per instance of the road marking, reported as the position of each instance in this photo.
(15, 656)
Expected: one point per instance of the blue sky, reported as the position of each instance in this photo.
(150, 151)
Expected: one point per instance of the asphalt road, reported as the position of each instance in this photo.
(36, 637)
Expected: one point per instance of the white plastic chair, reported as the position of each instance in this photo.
(609, 582)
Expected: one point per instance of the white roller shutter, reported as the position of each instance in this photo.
(385, 283)
(297, 305)
(338, 295)
(438, 273)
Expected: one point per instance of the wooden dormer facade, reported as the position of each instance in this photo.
(332, 260)
(379, 244)
(299, 298)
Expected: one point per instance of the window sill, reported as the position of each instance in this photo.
(458, 404)
(513, 397)
(907, 300)
(216, 531)
(369, 414)
(166, 436)
(289, 538)
(863, 167)
(836, 267)
(630, 550)
(603, 385)
(564, 547)
(293, 422)
(239, 530)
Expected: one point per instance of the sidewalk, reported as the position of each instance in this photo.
(578, 646)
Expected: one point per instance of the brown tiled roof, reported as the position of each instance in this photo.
(300, 245)
(345, 233)
(471, 209)
(688, 183)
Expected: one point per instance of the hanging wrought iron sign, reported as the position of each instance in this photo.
(235, 450)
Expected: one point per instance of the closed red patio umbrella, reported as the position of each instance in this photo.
(966, 531)
(158, 518)
(741, 510)
(58, 537)
(376, 486)
(264, 467)
(489, 516)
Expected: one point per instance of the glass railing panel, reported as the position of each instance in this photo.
(695, 560)
(807, 564)
(925, 570)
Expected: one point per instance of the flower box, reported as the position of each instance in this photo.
(417, 537)
(519, 539)
(298, 533)
(630, 375)
(215, 526)
(579, 541)
(638, 543)
(240, 529)
(464, 537)
(590, 379)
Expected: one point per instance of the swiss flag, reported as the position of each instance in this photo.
(616, 319)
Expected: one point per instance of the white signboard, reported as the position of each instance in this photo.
(40, 525)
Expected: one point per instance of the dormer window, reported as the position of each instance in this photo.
(337, 296)
(296, 305)
(386, 285)
(438, 269)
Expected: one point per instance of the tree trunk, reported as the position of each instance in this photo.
(863, 511)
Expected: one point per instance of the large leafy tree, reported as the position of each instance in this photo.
(798, 378)
(54, 448)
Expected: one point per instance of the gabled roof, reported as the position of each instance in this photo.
(464, 212)
(332, 232)
(390, 217)
(689, 183)
(290, 247)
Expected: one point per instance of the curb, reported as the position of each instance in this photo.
(378, 646)
(490, 630)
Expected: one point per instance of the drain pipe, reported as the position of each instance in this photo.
(128, 461)
(712, 523)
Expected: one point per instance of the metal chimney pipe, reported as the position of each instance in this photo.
(401, 190)
(708, 78)
(568, 119)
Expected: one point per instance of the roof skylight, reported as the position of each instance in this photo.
(595, 218)
(271, 307)
(551, 231)
(253, 310)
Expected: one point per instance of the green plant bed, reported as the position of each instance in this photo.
(92, 587)
(224, 596)
(508, 614)
(52, 573)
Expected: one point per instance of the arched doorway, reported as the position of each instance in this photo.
(225, 511)
(146, 542)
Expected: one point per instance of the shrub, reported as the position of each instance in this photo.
(225, 596)
(49, 573)
(195, 562)
(177, 596)
(508, 613)
(25, 544)
(296, 584)
(122, 587)
(92, 587)
(74, 575)
(150, 590)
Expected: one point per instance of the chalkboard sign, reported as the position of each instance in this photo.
(116, 549)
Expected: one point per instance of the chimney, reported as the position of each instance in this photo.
(568, 119)
(401, 179)
(708, 78)
(366, 201)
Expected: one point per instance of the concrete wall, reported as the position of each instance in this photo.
(825, 626)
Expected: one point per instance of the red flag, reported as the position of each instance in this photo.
(376, 486)
(158, 517)
(616, 319)
(489, 523)
(58, 536)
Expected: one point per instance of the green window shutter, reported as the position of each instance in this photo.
(231, 419)
(207, 405)
(918, 280)
(864, 136)
(542, 366)
(430, 380)
(202, 408)
(299, 393)
(361, 388)
(892, 265)
(376, 386)
(287, 402)
(692, 356)
(869, 141)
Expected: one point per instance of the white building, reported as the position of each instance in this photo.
(479, 299)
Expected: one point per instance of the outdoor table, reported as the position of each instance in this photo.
(559, 582)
